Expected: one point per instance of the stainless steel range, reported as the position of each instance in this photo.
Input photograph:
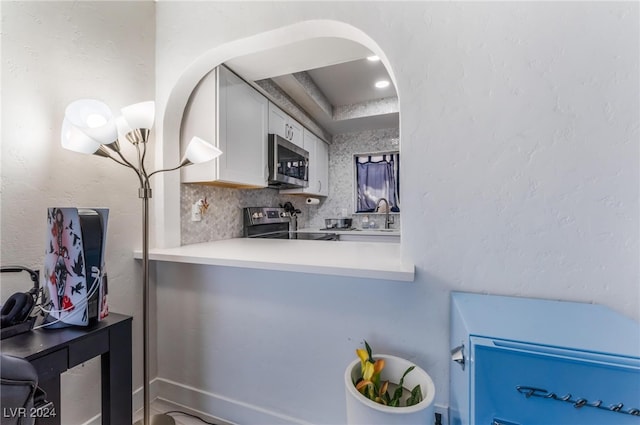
(276, 223)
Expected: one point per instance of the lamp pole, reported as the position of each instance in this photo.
(90, 128)
(145, 194)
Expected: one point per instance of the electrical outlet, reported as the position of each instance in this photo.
(196, 215)
(443, 412)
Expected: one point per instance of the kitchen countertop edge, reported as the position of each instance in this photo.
(373, 260)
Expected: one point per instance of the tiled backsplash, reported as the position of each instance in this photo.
(223, 219)
(341, 174)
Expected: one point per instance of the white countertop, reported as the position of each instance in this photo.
(373, 260)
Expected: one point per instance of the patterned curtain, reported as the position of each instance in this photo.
(377, 177)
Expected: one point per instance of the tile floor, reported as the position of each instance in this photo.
(161, 406)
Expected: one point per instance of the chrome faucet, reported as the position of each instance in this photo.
(387, 221)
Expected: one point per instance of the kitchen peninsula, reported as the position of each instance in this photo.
(371, 260)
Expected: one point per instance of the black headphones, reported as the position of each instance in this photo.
(20, 305)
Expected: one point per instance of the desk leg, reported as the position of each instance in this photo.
(52, 388)
(116, 377)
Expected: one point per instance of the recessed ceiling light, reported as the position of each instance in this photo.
(382, 84)
(373, 58)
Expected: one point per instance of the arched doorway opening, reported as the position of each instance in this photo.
(167, 193)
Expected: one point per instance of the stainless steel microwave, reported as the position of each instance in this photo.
(288, 164)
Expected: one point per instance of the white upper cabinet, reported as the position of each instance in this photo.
(283, 125)
(230, 114)
(318, 166)
(322, 167)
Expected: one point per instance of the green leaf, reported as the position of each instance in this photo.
(368, 351)
(396, 396)
(394, 403)
(416, 396)
(371, 395)
(376, 381)
(406, 372)
(403, 375)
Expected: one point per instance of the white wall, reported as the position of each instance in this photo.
(519, 138)
(52, 54)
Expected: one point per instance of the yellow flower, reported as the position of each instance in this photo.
(367, 372)
(362, 353)
(364, 356)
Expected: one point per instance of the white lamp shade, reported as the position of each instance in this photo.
(123, 128)
(199, 151)
(76, 140)
(140, 115)
(93, 118)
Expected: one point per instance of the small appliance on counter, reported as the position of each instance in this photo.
(276, 223)
(519, 361)
(338, 224)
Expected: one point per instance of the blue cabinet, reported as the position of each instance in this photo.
(524, 361)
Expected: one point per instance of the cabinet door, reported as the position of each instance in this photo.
(322, 167)
(310, 142)
(283, 125)
(243, 120)
(277, 121)
(296, 134)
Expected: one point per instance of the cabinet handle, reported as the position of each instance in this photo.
(319, 185)
(457, 355)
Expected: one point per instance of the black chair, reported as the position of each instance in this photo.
(20, 395)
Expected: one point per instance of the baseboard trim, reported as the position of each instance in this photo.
(96, 420)
(203, 402)
(216, 405)
(137, 401)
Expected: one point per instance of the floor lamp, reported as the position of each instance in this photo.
(89, 127)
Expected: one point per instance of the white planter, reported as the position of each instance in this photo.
(362, 411)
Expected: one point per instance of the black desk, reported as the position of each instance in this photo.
(56, 350)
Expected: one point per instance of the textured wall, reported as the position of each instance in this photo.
(52, 54)
(519, 129)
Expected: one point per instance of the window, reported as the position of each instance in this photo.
(377, 176)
